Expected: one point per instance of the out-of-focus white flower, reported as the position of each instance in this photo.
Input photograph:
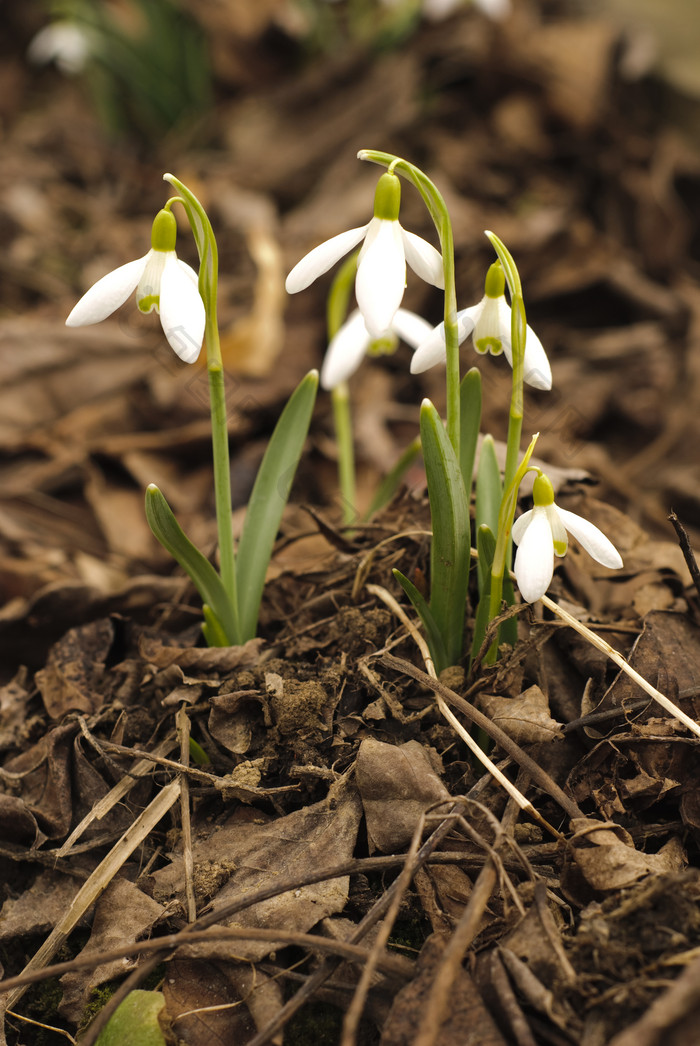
(162, 282)
(436, 10)
(353, 342)
(489, 325)
(381, 264)
(540, 534)
(65, 43)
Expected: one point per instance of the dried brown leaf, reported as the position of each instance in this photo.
(123, 914)
(605, 854)
(397, 785)
(525, 718)
(75, 663)
(243, 856)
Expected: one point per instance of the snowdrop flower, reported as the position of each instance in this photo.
(436, 10)
(353, 342)
(63, 42)
(540, 534)
(381, 264)
(489, 325)
(162, 282)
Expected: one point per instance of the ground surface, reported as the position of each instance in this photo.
(574, 924)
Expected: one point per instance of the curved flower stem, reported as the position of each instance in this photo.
(342, 420)
(503, 542)
(336, 311)
(518, 328)
(208, 282)
(515, 426)
(222, 468)
(441, 219)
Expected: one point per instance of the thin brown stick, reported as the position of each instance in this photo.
(326, 969)
(538, 775)
(182, 723)
(390, 963)
(354, 1012)
(171, 942)
(686, 548)
(464, 933)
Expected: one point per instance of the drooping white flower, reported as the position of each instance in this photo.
(67, 44)
(162, 282)
(489, 325)
(353, 342)
(540, 534)
(381, 264)
(436, 10)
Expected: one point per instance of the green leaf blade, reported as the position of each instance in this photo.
(268, 499)
(220, 618)
(470, 423)
(450, 550)
(432, 632)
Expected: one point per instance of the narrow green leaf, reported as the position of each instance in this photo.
(508, 632)
(198, 754)
(268, 499)
(219, 616)
(449, 512)
(485, 547)
(488, 486)
(212, 628)
(470, 423)
(488, 496)
(391, 482)
(432, 632)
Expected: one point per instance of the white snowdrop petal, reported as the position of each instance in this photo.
(321, 258)
(345, 351)
(430, 351)
(182, 312)
(497, 10)
(467, 320)
(538, 372)
(436, 10)
(381, 278)
(148, 290)
(534, 560)
(191, 273)
(107, 294)
(593, 540)
(411, 328)
(493, 325)
(520, 526)
(559, 536)
(424, 259)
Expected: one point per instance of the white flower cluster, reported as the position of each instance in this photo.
(379, 289)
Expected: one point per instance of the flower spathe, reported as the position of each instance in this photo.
(162, 282)
(381, 264)
(353, 342)
(541, 533)
(489, 323)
